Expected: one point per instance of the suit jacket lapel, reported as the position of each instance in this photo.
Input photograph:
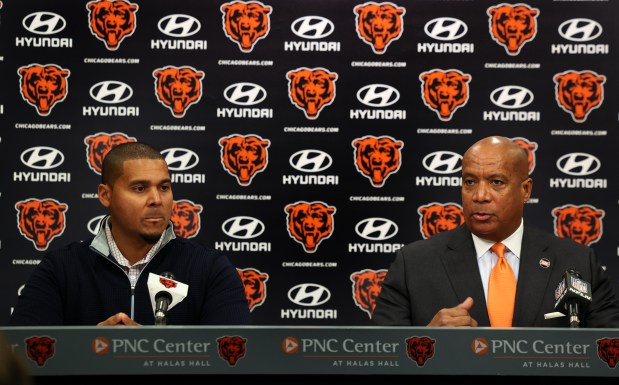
(460, 262)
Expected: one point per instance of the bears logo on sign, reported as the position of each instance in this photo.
(41, 220)
(232, 348)
(578, 93)
(186, 218)
(582, 224)
(420, 349)
(309, 223)
(254, 282)
(246, 22)
(112, 21)
(377, 157)
(438, 217)
(98, 145)
(40, 349)
(311, 89)
(379, 24)
(513, 25)
(42, 86)
(366, 285)
(178, 88)
(444, 91)
(608, 351)
(529, 149)
(243, 156)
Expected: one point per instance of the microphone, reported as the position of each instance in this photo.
(165, 293)
(163, 300)
(572, 295)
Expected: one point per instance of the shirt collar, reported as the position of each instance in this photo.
(513, 242)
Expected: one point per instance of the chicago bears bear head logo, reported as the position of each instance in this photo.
(513, 25)
(112, 21)
(310, 223)
(311, 90)
(444, 91)
(40, 349)
(232, 348)
(529, 149)
(582, 224)
(246, 22)
(578, 93)
(178, 88)
(366, 285)
(98, 145)
(377, 157)
(435, 218)
(608, 351)
(42, 86)
(244, 156)
(379, 24)
(186, 218)
(41, 220)
(254, 282)
(420, 349)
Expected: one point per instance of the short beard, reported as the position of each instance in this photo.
(151, 239)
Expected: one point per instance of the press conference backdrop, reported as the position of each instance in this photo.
(308, 140)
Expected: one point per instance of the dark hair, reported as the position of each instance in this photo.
(112, 166)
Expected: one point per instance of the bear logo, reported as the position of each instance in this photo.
(529, 149)
(366, 285)
(98, 145)
(436, 217)
(111, 21)
(578, 93)
(444, 91)
(43, 86)
(244, 156)
(311, 89)
(608, 351)
(246, 22)
(254, 282)
(513, 25)
(40, 349)
(178, 88)
(582, 224)
(379, 24)
(420, 349)
(41, 220)
(310, 223)
(231, 348)
(167, 283)
(186, 218)
(377, 157)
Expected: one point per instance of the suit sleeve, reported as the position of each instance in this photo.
(393, 303)
(603, 312)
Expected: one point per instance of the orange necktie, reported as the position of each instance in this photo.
(501, 290)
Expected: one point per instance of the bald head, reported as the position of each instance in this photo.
(513, 153)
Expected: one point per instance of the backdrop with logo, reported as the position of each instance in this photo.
(308, 140)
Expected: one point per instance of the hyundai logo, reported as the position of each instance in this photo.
(310, 160)
(44, 23)
(443, 162)
(376, 229)
(243, 227)
(511, 97)
(309, 294)
(94, 225)
(580, 30)
(578, 164)
(378, 95)
(111, 92)
(180, 159)
(179, 25)
(42, 158)
(245, 94)
(312, 27)
(445, 28)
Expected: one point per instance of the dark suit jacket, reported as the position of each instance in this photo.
(442, 271)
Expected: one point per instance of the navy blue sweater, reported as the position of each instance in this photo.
(77, 286)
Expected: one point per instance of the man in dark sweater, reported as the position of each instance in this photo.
(104, 281)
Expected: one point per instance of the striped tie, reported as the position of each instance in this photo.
(501, 290)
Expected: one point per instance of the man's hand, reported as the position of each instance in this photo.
(455, 316)
(119, 319)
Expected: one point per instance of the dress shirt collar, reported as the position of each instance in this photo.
(513, 242)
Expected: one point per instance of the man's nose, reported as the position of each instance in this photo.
(481, 193)
(154, 197)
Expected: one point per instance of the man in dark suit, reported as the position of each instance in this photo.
(446, 280)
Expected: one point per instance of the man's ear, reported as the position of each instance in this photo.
(105, 194)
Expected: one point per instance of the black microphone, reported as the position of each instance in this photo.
(162, 301)
(572, 295)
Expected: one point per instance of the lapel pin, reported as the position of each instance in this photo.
(544, 262)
